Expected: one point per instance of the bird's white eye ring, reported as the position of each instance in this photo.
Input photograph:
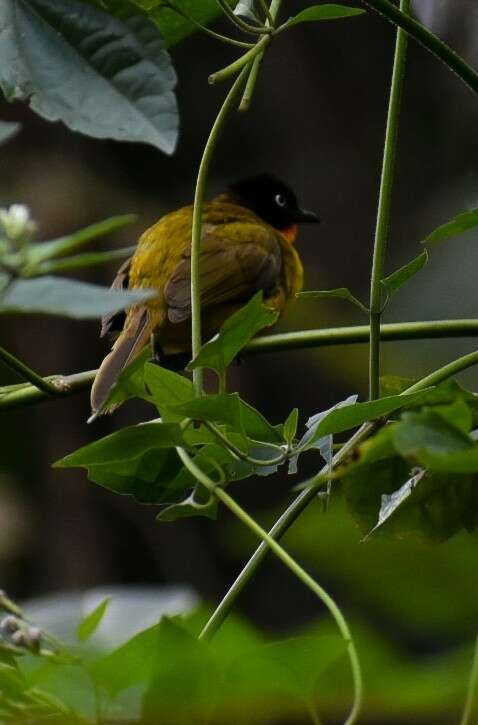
(280, 200)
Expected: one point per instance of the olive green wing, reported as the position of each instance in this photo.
(232, 270)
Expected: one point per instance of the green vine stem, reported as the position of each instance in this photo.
(384, 205)
(272, 14)
(17, 396)
(471, 690)
(237, 65)
(305, 497)
(197, 221)
(428, 39)
(43, 384)
(295, 568)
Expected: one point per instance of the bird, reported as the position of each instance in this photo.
(247, 245)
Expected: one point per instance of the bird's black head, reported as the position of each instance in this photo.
(272, 200)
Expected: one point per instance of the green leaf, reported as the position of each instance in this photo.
(428, 432)
(46, 251)
(341, 293)
(172, 25)
(8, 130)
(323, 12)
(290, 426)
(395, 384)
(80, 261)
(102, 76)
(233, 412)
(128, 665)
(168, 389)
(458, 225)
(89, 624)
(67, 297)
(199, 503)
(139, 461)
(235, 333)
(397, 279)
(131, 382)
(351, 416)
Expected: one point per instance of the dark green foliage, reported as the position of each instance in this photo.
(56, 67)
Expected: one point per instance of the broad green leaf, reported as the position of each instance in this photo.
(102, 76)
(458, 225)
(235, 333)
(397, 279)
(427, 431)
(128, 665)
(67, 297)
(139, 461)
(8, 130)
(131, 382)
(341, 293)
(233, 412)
(80, 261)
(168, 389)
(46, 251)
(89, 624)
(327, 11)
(290, 426)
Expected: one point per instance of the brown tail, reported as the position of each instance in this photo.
(130, 343)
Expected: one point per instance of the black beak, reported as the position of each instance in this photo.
(306, 217)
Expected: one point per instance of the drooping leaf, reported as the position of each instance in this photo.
(458, 225)
(67, 297)
(397, 279)
(245, 9)
(428, 432)
(326, 11)
(89, 624)
(139, 461)
(199, 503)
(341, 293)
(235, 333)
(102, 76)
(233, 412)
(54, 248)
(8, 130)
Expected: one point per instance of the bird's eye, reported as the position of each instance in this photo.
(280, 200)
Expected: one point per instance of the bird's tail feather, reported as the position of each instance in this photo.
(130, 343)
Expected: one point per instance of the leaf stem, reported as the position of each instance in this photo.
(295, 568)
(197, 221)
(384, 205)
(238, 64)
(272, 14)
(277, 460)
(471, 690)
(428, 39)
(42, 384)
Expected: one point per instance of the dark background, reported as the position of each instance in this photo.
(317, 120)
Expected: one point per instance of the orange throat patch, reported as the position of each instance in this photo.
(290, 233)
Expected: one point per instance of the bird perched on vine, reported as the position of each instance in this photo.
(247, 241)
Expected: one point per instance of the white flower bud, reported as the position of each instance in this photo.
(19, 227)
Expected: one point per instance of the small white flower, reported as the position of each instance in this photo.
(17, 223)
